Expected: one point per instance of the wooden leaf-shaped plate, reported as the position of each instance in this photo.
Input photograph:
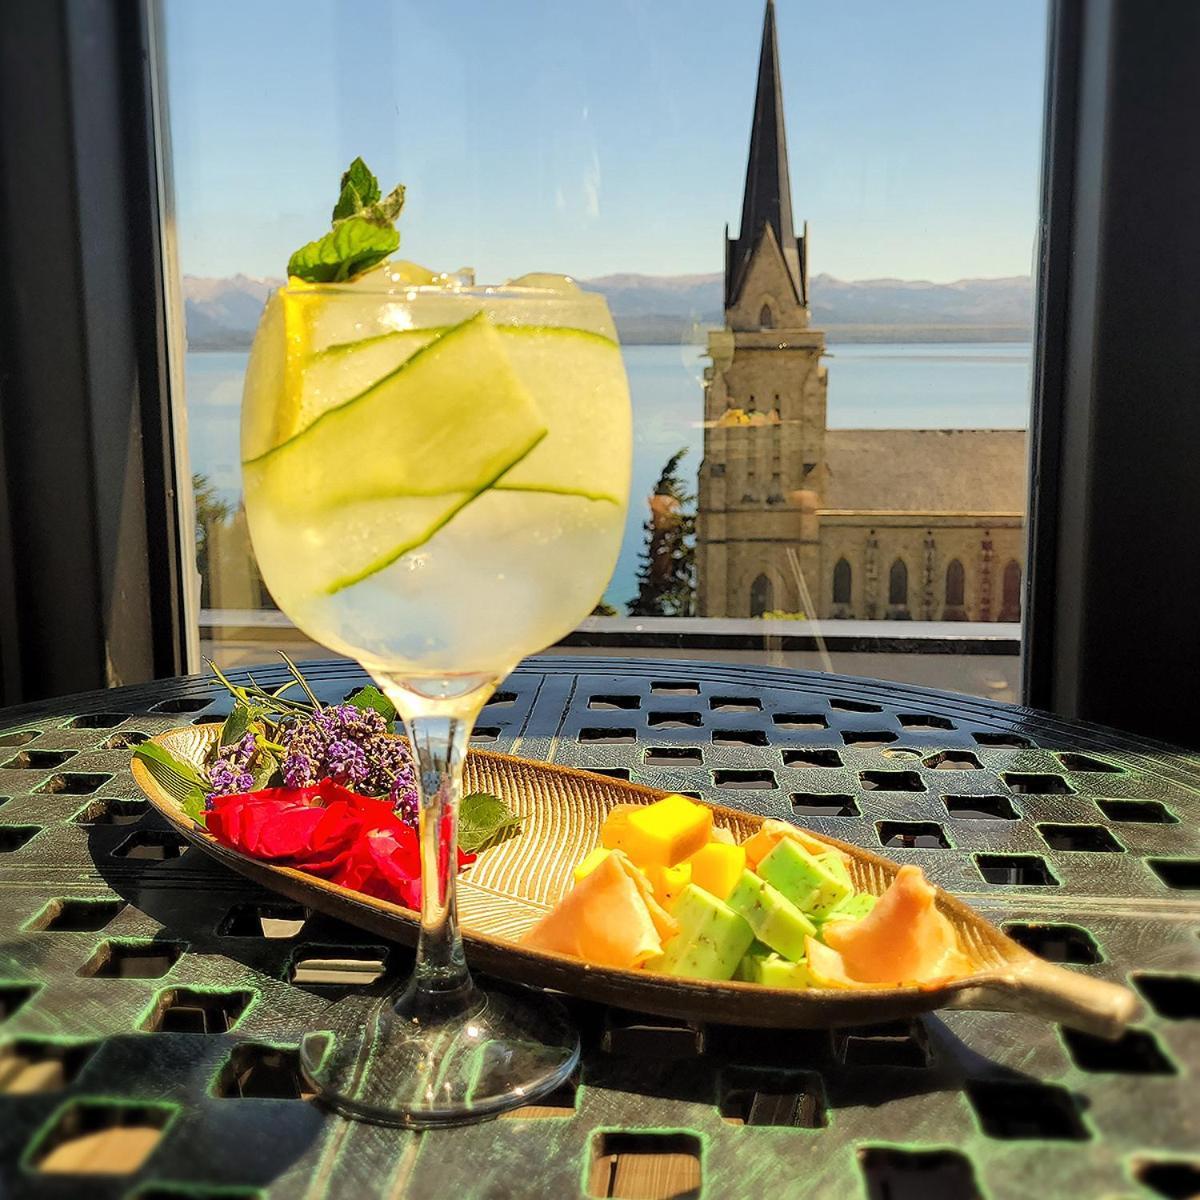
(511, 885)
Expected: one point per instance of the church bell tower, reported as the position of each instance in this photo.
(762, 480)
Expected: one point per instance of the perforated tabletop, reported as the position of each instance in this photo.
(150, 1001)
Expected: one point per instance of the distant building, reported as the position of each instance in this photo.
(920, 524)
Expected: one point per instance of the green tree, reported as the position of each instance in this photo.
(667, 570)
(211, 510)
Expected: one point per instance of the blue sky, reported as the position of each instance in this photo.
(594, 136)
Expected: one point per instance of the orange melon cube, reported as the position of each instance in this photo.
(666, 832)
(591, 862)
(717, 867)
(669, 882)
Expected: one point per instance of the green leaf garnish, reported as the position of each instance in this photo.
(485, 820)
(235, 726)
(181, 781)
(363, 232)
(372, 697)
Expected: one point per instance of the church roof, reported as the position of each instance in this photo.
(767, 199)
(927, 470)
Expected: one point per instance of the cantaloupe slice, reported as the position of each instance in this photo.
(903, 940)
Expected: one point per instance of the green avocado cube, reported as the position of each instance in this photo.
(777, 972)
(853, 908)
(803, 879)
(836, 865)
(774, 919)
(747, 969)
(711, 941)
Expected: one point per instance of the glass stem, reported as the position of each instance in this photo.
(439, 731)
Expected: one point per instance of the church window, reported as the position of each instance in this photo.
(761, 596)
(765, 319)
(841, 582)
(955, 584)
(1010, 605)
(898, 584)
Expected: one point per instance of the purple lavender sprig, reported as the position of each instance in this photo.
(230, 770)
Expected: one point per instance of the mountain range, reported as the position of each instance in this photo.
(222, 313)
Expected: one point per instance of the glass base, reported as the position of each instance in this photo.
(373, 1060)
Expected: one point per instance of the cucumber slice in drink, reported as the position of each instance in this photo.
(442, 427)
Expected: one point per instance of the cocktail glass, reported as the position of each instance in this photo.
(436, 482)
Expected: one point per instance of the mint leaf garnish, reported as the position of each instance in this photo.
(183, 782)
(372, 697)
(235, 725)
(363, 232)
(485, 820)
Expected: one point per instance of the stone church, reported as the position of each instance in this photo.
(920, 524)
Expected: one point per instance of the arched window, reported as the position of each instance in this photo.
(1010, 603)
(898, 585)
(765, 319)
(841, 582)
(955, 584)
(761, 596)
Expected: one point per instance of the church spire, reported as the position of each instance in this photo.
(768, 197)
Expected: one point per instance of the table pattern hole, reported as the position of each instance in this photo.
(980, 808)
(891, 781)
(739, 737)
(273, 921)
(792, 720)
(100, 1137)
(13, 837)
(611, 772)
(485, 733)
(14, 996)
(1175, 997)
(502, 700)
(104, 720)
(1182, 874)
(1012, 1111)
(887, 1044)
(912, 835)
(151, 845)
(189, 1191)
(868, 737)
(125, 741)
(893, 1174)
(823, 804)
(923, 721)
(744, 780)
(795, 1101)
(602, 736)
(1176, 1179)
(1035, 783)
(1093, 839)
(112, 812)
(1001, 741)
(183, 704)
(337, 968)
(70, 914)
(645, 1166)
(261, 1072)
(1057, 943)
(74, 783)
(675, 720)
(197, 1010)
(1135, 1052)
(1085, 762)
(20, 737)
(1016, 870)
(953, 760)
(34, 1065)
(671, 756)
(634, 1035)
(1147, 812)
(133, 959)
(559, 1103)
(38, 760)
(811, 758)
(668, 687)
(741, 704)
(855, 706)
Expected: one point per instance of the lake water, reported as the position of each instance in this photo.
(880, 386)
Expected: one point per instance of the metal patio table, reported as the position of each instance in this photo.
(150, 1000)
